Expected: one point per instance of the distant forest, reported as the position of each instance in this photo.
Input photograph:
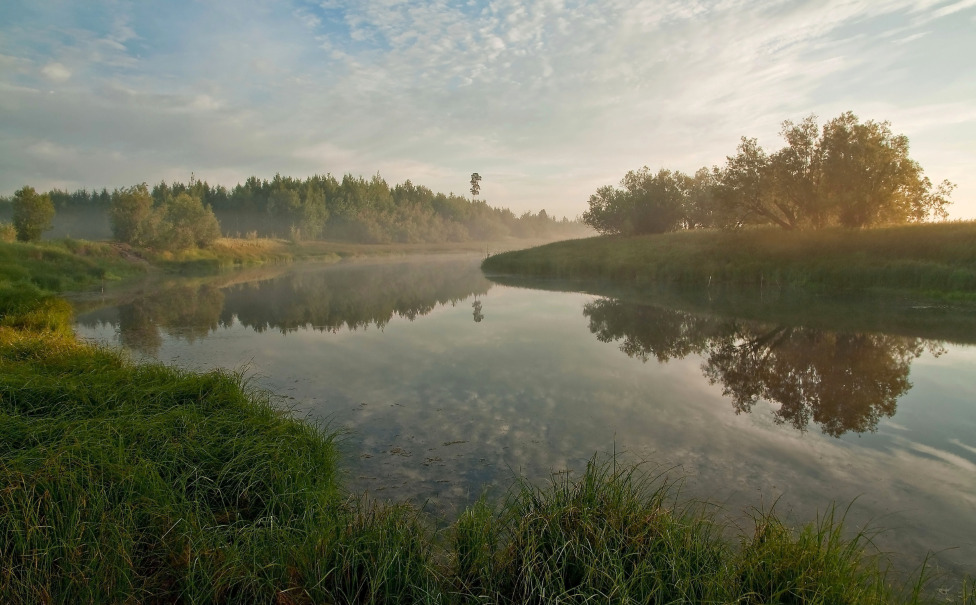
(319, 207)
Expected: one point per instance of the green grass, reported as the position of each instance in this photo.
(132, 483)
(64, 264)
(239, 252)
(935, 258)
(620, 535)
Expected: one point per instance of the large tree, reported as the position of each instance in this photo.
(648, 203)
(847, 173)
(130, 213)
(746, 189)
(32, 214)
(868, 177)
(185, 222)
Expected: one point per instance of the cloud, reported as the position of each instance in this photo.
(56, 72)
(549, 96)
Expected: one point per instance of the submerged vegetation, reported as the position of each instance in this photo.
(935, 258)
(126, 482)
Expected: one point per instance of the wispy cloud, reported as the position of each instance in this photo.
(545, 97)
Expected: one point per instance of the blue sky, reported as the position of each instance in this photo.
(547, 99)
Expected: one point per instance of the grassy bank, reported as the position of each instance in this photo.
(936, 259)
(120, 260)
(67, 264)
(123, 482)
(142, 483)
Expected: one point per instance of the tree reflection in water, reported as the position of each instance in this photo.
(332, 299)
(841, 381)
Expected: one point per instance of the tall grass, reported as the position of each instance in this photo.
(125, 483)
(64, 264)
(239, 252)
(620, 535)
(933, 258)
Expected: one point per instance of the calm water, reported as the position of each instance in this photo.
(451, 384)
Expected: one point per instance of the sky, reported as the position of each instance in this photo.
(547, 99)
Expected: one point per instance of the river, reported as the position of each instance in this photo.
(450, 384)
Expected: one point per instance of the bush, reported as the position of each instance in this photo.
(7, 233)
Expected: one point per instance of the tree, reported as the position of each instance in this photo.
(607, 211)
(284, 202)
(649, 203)
(130, 213)
(314, 212)
(701, 206)
(32, 214)
(475, 184)
(869, 178)
(746, 190)
(657, 200)
(185, 222)
(796, 172)
(849, 173)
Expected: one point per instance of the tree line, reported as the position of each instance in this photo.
(178, 215)
(846, 173)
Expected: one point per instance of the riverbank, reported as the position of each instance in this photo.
(69, 264)
(933, 259)
(131, 482)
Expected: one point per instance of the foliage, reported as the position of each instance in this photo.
(131, 214)
(868, 178)
(32, 214)
(350, 209)
(854, 174)
(174, 222)
(7, 232)
(847, 173)
(648, 203)
(186, 222)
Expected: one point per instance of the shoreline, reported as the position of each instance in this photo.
(935, 260)
(171, 478)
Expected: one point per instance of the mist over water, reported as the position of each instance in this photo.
(450, 384)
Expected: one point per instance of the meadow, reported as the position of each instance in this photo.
(937, 259)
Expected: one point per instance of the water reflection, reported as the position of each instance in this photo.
(840, 381)
(477, 313)
(445, 407)
(343, 297)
